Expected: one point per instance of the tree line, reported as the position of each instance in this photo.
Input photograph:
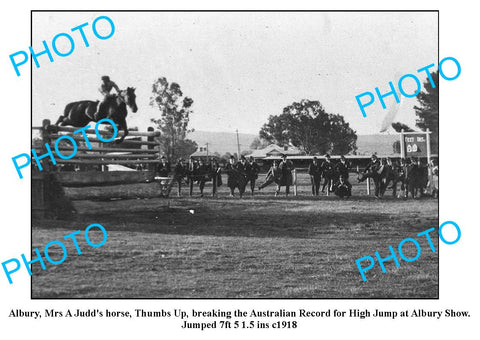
(305, 124)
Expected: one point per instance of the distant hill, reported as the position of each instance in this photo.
(379, 143)
(223, 142)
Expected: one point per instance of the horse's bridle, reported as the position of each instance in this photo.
(121, 96)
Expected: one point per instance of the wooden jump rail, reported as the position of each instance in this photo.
(103, 153)
(54, 128)
(52, 189)
(109, 150)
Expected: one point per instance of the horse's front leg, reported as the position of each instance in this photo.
(60, 119)
(122, 125)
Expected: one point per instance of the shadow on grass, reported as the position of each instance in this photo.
(247, 219)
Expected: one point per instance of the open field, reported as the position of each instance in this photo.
(261, 247)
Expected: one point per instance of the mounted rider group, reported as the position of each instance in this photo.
(414, 178)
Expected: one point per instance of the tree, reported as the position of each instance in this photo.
(427, 111)
(175, 110)
(226, 156)
(307, 126)
(399, 126)
(185, 148)
(258, 144)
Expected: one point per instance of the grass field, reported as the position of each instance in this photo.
(261, 247)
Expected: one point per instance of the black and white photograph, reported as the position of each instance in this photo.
(222, 170)
(236, 154)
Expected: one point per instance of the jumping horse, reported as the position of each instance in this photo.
(79, 114)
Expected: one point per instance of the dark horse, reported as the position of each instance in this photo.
(80, 113)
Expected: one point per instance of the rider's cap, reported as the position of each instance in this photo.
(105, 78)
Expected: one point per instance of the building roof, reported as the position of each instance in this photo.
(275, 150)
(200, 154)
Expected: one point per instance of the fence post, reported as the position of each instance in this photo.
(402, 144)
(38, 179)
(429, 150)
(149, 167)
(46, 139)
(368, 186)
(150, 138)
(295, 182)
(38, 195)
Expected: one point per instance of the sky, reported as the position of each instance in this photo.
(241, 67)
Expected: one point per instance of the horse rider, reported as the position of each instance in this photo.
(216, 175)
(391, 175)
(236, 176)
(433, 177)
(414, 177)
(191, 173)
(399, 169)
(385, 173)
(372, 171)
(242, 166)
(342, 189)
(163, 168)
(423, 176)
(315, 172)
(417, 177)
(328, 172)
(286, 179)
(230, 169)
(342, 170)
(242, 173)
(203, 172)
(180, 172)
(273, 176)
(252, 173)
(105, 88)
